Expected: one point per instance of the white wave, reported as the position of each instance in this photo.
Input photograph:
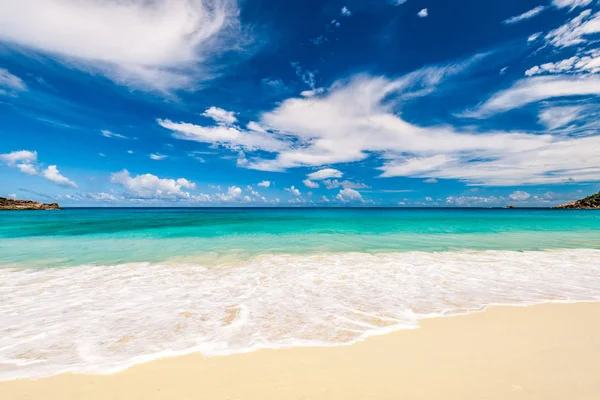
(101, 319)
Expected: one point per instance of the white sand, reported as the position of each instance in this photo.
(542, 352)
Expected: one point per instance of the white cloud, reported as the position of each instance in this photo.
(150, 186)
(265, 184)
(430, 180)
(293, 191)
(534, 37)
(29, 169)
(334, 184)
(101, 196)
(349, 195)
(157, 156)
(53, 174)
(576, 31)
(158, 44)
(10, 83)
(307, 76)
(586, 62)
(234, 193)
(222, 117)
(361, 117)
(242, 161)
(526, 15)
(310, 184)
(19, 157)
(423, 13)
(312, 92)
(519, 195)
(345, 12)
(109, 134)
(129, 151)
(325, 173)
(572, 4)
(27, 162)
(471, 201)
(531, 90)
(556, 117)
(228, 136)
(253, 126)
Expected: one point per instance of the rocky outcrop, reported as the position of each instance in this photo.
(13, 204)
(589, 203)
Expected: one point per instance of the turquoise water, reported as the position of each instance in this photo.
(98, 290)
(112, 236)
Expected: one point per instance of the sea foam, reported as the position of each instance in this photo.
(102, 319)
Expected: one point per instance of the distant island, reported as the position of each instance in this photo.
(14, 204)
(589, 203)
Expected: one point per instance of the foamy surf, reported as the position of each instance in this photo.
(102, 319)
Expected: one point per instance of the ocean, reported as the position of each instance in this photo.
(98, 290)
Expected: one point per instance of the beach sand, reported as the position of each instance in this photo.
(549, 351)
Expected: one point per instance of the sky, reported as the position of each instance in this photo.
(206, 103)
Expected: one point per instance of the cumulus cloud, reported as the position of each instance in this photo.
(345, 12)
(310, 184)
(519, 195)
(53, 174)
(221, 116)
(234, 193)
(150, 186)
(27, 162)
(325, 173)
(293, 191)
(349, 195)
(526, 15)
(19, 157)
(158, 44)
(423, 13)
(112, 135)
(265, 184)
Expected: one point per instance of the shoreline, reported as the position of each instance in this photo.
(532, 343)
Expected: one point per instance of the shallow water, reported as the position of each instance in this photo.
(98, 290)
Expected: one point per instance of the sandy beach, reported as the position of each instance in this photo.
(545, 352)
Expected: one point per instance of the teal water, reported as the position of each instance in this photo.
(113, 236)
(98, 290)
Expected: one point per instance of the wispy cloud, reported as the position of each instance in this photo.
(525, 16)
(157, 156)
(112, 135)
(158, 45)
(10, 84)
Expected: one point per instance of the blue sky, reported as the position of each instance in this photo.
(279, 103)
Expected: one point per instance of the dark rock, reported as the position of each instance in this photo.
(589, 203)
(14, 204)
